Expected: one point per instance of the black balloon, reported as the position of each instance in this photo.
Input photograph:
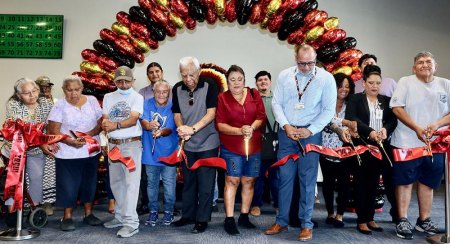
(307, 6)
(328, 53)
(243, 10)
(347, 43)
(197, 11)
(137, 14)
(105, 47)
(124, 60)
(283, 34)
(157, 32)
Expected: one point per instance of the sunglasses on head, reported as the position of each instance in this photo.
(191, 98)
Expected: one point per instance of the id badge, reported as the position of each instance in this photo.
(378, 114)
(299, 106)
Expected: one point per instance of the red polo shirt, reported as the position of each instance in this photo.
(230, 112)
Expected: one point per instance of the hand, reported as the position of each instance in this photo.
(49, 149)
(153, 125)
(383, 133)
(247, 131)
(345, 135)
(185, 131)
(104, 151)
(291, 132)
(108, 125)
(431, 128)
(422, 134)
(373, 136)
(156, 133)
(77, 143)
(353, 126)
(304, 133)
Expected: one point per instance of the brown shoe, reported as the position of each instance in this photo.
(275, 229)
(305, 234)
(255, 211)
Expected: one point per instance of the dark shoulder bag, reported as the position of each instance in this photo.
(269, 144)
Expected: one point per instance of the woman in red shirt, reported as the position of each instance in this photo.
(239, 118)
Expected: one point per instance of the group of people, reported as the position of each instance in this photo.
(308, 104)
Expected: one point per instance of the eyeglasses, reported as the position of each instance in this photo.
(310, 64)
(191, 98)
(29, 93)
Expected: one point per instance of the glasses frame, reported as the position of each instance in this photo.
(191, 98)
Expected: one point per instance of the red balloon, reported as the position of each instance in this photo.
(352, 62)
(180, 7)
(190, 23)
(96, 81)
(356, 76)
(330, 66)
(314, 18)
(90, 55)
(349, 54)
(146, 4)
(274, 23)
(289, 6)
(139, 30)
(230, 11)
(333, 36)
(107, 63)
(258, 13)
(170, 30)
(159, 17)
(108, 35)
(296, 37)
(211, 16)
(123, 18)
(152, 43)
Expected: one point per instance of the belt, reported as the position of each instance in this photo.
(125, 140)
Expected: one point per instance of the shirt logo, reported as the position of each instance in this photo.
(120, 111)
(122, 72)
(443, 98)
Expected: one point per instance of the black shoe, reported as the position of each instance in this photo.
(11, 219)
(215, 208)
(142, 210)
(329, 221)
(339, 223)
(199, 227)
(182, 222)
(230, 226)
(67, 225)
(92, 220)
(316, 225)
(244, 221)
(365, 232)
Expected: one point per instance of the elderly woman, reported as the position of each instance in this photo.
(76, 167)
(240, 116)
(158, 140)
(375, 122)
(26, 105)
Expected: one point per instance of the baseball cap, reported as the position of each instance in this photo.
(123, 73)
(43, 81)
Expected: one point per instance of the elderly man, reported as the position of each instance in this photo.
(303, 103)
(421, 103)
(387, 84)
(263, 81)
(45, 86)
(194, 108)
(121, 111)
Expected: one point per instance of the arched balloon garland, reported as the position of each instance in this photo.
(138, 31)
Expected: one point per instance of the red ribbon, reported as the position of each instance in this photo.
(172, 159)
(116, 155)
(93, 145)
(23, 136)
(285, 159)
(440, 144)
(344, 152)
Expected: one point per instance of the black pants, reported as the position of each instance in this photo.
(386, 172)
(198, 189)
(336, 175)
(143, 196)
(366, 179)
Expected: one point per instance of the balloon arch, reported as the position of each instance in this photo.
(139, 30)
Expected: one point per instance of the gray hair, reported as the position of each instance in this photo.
(22, 81)
(423, 54)
(186, 61)
(160, 83)
(71, 78)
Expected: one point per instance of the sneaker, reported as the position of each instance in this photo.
(426, 226)
(152, 219)
(403, 229)
(113, 224)
(168, 218)
(92, 220)
(127, 231)
(67, 225)
(255, 211)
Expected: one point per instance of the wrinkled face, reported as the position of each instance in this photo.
(344, 90)
(306, 60)
(190, 75)
(424, 67)
(72, 92)
(29, 94)
(161, 93)
(366, 62)
(372, 85)
(263, 83)
(46, 91)
(236, 82)
(155, 74)
(124, 84)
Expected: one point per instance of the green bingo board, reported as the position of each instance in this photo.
(31, 36)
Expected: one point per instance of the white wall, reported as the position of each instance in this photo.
(393, 30)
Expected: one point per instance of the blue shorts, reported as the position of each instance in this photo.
(422, 169)
(238, 166)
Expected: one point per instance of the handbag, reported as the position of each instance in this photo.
(269, 144)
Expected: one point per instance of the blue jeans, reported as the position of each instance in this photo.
(168, 175)
(306, 167)
(259, 185)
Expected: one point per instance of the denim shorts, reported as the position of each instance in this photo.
(238, 166)
(421, 169)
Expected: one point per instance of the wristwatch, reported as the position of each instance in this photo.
(194, 130)
(119, 126)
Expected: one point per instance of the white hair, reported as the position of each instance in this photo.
(71, 78)
(22, 81)
(186, 61)
(160, 83)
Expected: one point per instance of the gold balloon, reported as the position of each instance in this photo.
(331, 23)
(220, 7)
(263, 24)
(91, 67)
(176, 20)
(273, 6)
(344, 69)
(314, 33)
(120, 29)
(162, 3)
(142, 45)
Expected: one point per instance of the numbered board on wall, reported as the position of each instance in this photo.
(31, 36)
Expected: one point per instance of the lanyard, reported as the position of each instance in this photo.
(300, 94)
